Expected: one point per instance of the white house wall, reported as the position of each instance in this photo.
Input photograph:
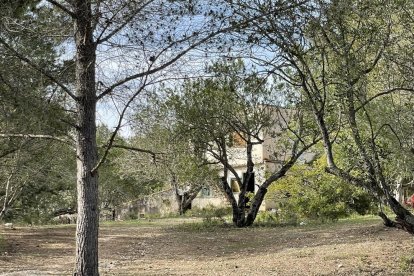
(207, 202)
(237, 155)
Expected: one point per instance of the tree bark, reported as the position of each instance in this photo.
(255, 206)
(404, 219)
(238, 216)
(6, 197)
(188, 199)
(86, 148)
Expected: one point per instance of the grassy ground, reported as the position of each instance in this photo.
(359, 246)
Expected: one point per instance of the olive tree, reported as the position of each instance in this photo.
(157, 154)
(230, 114)
(349, 60)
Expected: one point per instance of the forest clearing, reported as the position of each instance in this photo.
(184, 247)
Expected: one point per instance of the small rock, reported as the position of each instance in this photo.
(9, 225)
(340, 265)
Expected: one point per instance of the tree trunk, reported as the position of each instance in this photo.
(404, 219)
(188, 199)
(238, 215)
(255, 206)
(180, 202)
(87, 196)
(6, 197)
(86, 148)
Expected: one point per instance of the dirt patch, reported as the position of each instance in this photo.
(158, 248)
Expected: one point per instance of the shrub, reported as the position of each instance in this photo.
(406, 263)
(209, 212)
(308, 192)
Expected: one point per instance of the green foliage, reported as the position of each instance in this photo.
(406, 263)
(163, 159)
(309, 193)
(37, 176)
(232, 100)
(41, 181)
(267, 218)
(119, 185)
(282, 218)
(210, 213)
(17, 7)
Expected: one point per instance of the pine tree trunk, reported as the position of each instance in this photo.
(86, 148)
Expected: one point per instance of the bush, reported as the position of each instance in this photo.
(210, 213)
(309, 193)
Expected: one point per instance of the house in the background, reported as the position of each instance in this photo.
(268, 157)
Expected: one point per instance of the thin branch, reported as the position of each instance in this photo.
(353, 179)
(118, 127)
(375, 61)
(35, 136)
(382, 94)
(154, 70)
(154, 154)
(178, 56)
(392, 130)
(4, 154)
(63, 8)
(38, 68)
(295, 156)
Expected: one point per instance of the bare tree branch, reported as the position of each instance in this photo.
(7, 152)
(152, 153)
(159, 68)
(118, 127)
(179, 55)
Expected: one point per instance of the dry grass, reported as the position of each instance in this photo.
(163, 247)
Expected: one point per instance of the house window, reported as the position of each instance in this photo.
(237, 140)
(206, 192)
(234, 185)
(250, 185)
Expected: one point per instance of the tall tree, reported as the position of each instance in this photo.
(116, 49)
